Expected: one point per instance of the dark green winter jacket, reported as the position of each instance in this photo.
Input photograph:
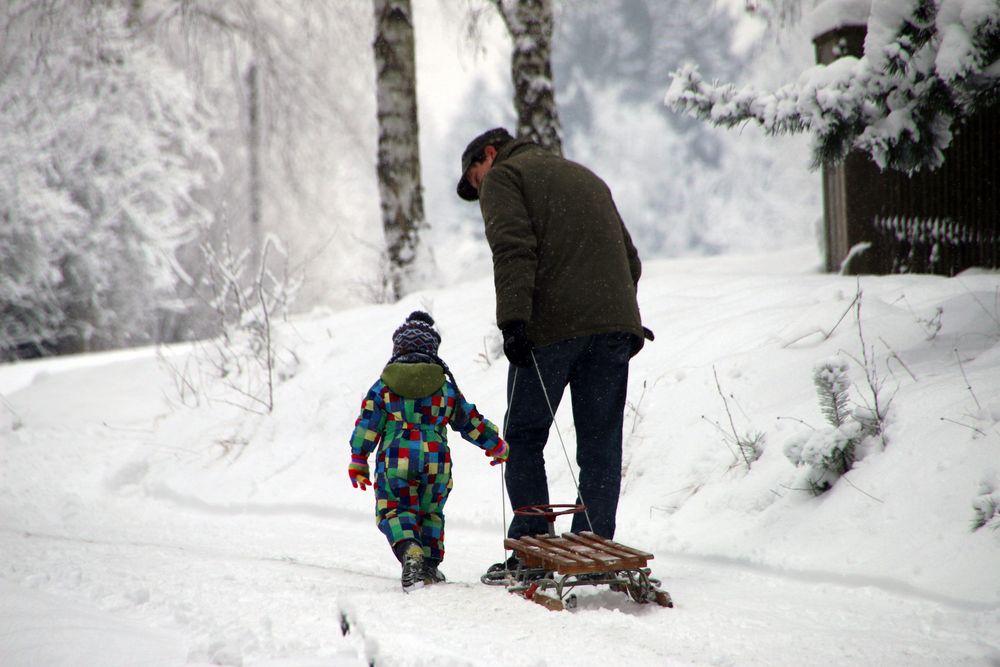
(562, 259)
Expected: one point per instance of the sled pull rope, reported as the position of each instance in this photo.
(569, 465)
(503, 488)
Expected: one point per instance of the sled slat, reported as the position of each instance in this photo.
(586, 550)
(608, 545)
(553, 546)
(534, 554)
(556, 552)
(622, 559)
(572, 553)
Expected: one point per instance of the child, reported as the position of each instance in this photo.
(403, 416)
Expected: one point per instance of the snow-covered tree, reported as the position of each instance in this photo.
(105, 145)
(928, 64)
(33, 294)
(399, 181)
(530, 23)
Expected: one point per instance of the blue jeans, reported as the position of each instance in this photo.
(596, 370)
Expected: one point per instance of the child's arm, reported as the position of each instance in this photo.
(477, 429)
(366, 436)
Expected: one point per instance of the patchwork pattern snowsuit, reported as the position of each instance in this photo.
(403, 417)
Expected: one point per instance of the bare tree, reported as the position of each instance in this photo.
(530, 25)
(398, 141)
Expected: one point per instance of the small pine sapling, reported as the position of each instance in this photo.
(832, 384)
(827, 454)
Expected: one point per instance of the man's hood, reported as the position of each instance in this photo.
(414, 380)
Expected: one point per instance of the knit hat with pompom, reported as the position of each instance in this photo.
(416, 335)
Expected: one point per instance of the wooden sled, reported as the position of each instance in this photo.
(551, 566)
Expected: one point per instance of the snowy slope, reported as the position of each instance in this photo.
(137, 531)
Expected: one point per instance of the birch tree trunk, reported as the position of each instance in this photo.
(530, 25)
(399, 183)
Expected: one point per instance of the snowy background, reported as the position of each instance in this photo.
(132, 151)
(137, 531)
(684, 188)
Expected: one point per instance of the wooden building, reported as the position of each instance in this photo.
(941, 221)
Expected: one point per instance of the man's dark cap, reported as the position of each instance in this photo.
(473, 152)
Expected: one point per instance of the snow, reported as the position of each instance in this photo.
(883, 27)
(832, 14)
(135, 531)
(87, 636)
(959, 22)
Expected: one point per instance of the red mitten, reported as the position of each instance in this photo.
(498, 453)
(358, 471)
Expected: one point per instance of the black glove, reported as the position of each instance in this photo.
(517, 347)
(637, 343)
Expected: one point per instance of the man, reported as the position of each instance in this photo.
(565, 272)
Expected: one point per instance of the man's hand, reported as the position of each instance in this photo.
(517, 347)
(358, 471)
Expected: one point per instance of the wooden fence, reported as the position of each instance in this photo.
(915, 245)
(940, 221)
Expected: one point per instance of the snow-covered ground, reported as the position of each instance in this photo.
(137, 531)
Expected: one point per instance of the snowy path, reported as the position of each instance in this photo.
(269, 589)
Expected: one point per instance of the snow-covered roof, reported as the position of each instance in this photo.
(832, 14)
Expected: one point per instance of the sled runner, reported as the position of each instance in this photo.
(550, 566)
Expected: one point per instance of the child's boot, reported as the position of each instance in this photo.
(411, 555)
(432, 575)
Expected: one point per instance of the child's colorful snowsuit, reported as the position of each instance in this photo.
(404, 416)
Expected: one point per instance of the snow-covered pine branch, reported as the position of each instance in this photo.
(832, 384)
(928, 65)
